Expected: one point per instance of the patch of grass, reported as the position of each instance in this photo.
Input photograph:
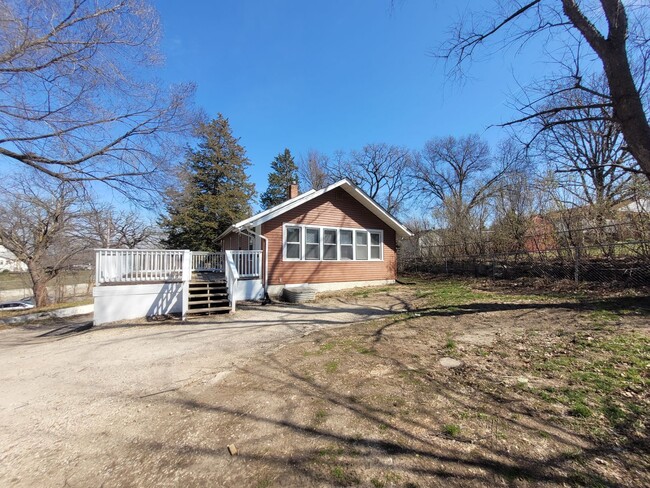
(13, 281)
(614, 413)
(320, 416)
(365, 350)
(603, 317)
(366, 292)
(332, 366)
(328, 346)
(331, 451)
(264, 483)
(450, 345)
(411, 376)
(392, 477)
(581, 410)
(448, 293)
(377, 483)
(452, 430)
(598, 377)
(344, 477)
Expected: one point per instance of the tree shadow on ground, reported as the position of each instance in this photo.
(402, 445)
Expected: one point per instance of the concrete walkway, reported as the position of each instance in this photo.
(73, 395)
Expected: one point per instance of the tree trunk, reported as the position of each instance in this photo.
(39, 288)
(612, 51)
(628, 108)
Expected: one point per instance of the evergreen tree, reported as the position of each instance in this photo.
(214, 190)
(285, 172)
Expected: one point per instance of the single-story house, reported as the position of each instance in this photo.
(9, 262)
(329, 239)
(333, 238)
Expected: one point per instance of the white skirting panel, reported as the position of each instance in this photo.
(124, 302)
(249, 290)
(276, 290)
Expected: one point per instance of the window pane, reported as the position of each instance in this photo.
(346, 237)
(312, 236)
(312, 251)
(293, 251)
(362, 238)
(374, 252)
(362, 253)
(346, 252)
(329, 252)
(293, 234)
(329, 236)
(375, 238)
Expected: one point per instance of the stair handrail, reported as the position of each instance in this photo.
(232, 276)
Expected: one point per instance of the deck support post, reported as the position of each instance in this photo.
(186, 277)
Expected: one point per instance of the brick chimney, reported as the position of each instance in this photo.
(293, 190)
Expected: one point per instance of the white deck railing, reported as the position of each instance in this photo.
(207, 261)
(142, 265)
(137, 266)
(248, 263)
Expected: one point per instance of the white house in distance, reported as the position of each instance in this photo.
(9, 262)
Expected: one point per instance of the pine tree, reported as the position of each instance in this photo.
(285, 172)
(214, 190)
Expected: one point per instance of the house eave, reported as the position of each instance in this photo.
(346, 185)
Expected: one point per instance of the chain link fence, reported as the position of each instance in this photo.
(615, 254)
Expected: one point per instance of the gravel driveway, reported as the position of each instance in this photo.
(76, 400)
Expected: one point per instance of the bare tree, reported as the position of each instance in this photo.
(313, 171)
(381, 170)
(460, 176)
(589, 155)
(515, 200)
(108, 227)
(615, 32)
(37, 218)
(74, 103)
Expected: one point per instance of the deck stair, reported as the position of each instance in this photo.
(208, 294)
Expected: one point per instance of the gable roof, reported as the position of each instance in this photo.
(353, 190)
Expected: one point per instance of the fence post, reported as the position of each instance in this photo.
(576, 270)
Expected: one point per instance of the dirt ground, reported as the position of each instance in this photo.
(431, 384)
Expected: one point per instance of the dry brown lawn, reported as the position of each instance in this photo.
(550, 391)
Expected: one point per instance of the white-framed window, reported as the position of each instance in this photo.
(292, 247)
(330, 244)
(375, 245)
(361, 245)
(346, 239)
(316, 243)
(312, 243)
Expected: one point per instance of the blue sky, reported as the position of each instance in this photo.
(332, 74)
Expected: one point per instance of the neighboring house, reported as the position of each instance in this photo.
(329, 239)
(9, 262)
(545, 230)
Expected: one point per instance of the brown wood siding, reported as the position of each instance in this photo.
(335, 209)
(235, 242)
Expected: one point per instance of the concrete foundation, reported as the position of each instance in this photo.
(276, 290)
